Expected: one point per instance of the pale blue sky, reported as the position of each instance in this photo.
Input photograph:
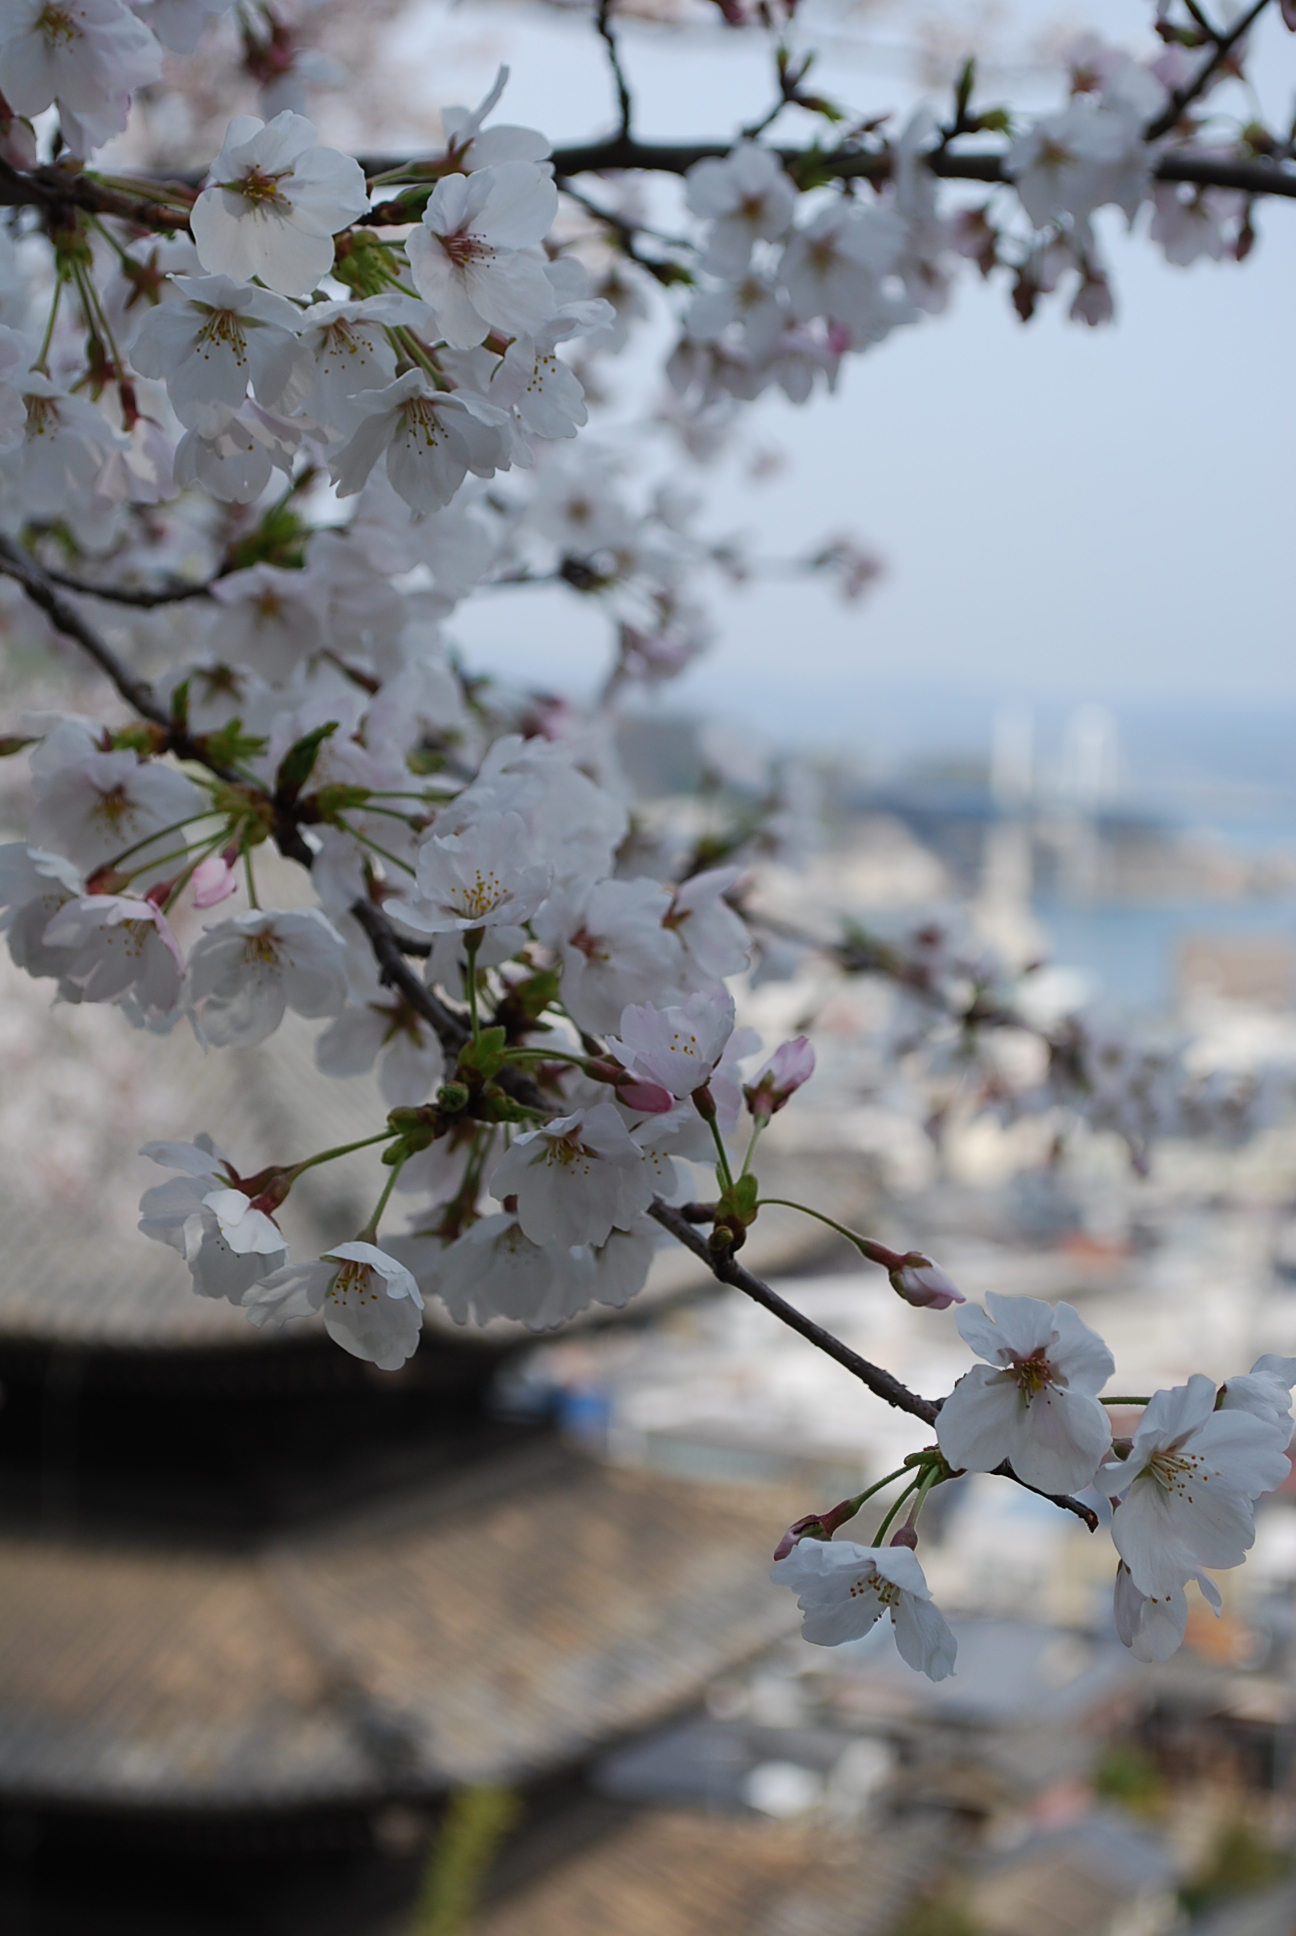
(1066, 514)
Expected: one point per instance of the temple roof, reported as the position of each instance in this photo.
(497, 1626)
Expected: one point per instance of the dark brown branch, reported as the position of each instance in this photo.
(52, 189)
(727, 1270)
(603, 22)
(144, 598)
(1183, 97)
(39, 588)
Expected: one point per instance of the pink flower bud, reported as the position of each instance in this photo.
(213, 880)
(648, 1096)
(906, 1535)
(811, 1527)
(922, 1283)
(791, 1064)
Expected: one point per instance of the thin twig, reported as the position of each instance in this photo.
(1192, 90)
(625, 107)
(881, 1383)
(142, 597)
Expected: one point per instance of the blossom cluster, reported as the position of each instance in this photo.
(305, 411)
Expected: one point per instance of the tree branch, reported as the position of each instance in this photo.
(881, 1383)
(144, 598)
(603, 22)
(1192, 90)
(52, 189)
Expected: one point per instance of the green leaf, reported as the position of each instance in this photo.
(229, 746)
(330, 801)
(739, 1204)
(13, 743)
(298, 763)
(484, 1058)
(180, 707)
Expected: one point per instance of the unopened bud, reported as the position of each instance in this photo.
(791, 1064)
(924, 1284)
(452, 1096)
(648, 1096)
(906, 1535)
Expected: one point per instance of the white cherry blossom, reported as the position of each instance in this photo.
(178, 24)
(678, 1048)
(836, 264)
(476, 147)
(613, 947)
(1152, 1626)
(412, 1060)
(428, 439)
(233, 453)
(245, 973)
(276, 201)
(490, 875)
(34, 886)
(179, 1213)
(95, 805)
(350, 350)
(117, 945)
(1035, 1402)
(714, 938)
(748, 198)
(270, 619)
(216, 337)
(476, 260)
(1188, 1487)
(574, 1178)
(843, 1590)
(371, 1304)
(66, 442)
(1265, 1391)
(83, 56)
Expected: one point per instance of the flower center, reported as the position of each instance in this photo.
(482, 897)
(354, 1280)
(262, 190)
(223, 330)
(113, 807)
(42, 416)
(590, 945)
(57, 26)
(464, 249)
(261, 948)
(1175, 1473)
(1032, 1374)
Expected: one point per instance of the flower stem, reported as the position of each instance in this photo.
(342, 1149)
(250, 876)
(472, 942)
(876, 1253)
(365, 841)
(751, 1147)
(882, 1531)
(42, 361)
(1124, 1401)
(722, 1167)
(369, 1235)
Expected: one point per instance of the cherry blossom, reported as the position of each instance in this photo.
(84, 56)
(924, 1284)
(495, 1271)
(835, 267)
(574, 1178)
(94, 806)
(487, 876)
(1152, 1626)
(1187, 1488)
(714, 938)
(678, 1048)
(412, 1059)
(232, 453)
(34, 887)
(748, 198)
(371, 1304)
(117, 945)
(245, 973)
(474, 146)
(276, 201)
(270, 619)
(215, 338)
(844, 1589)
(1265, 1391)
(1034, 1403)
(777, 1080)
(179, 1213)
(351, 351)
(612, 944)
(428, 439)
(476, 260)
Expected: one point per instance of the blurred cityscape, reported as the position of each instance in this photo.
(264, 1612)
